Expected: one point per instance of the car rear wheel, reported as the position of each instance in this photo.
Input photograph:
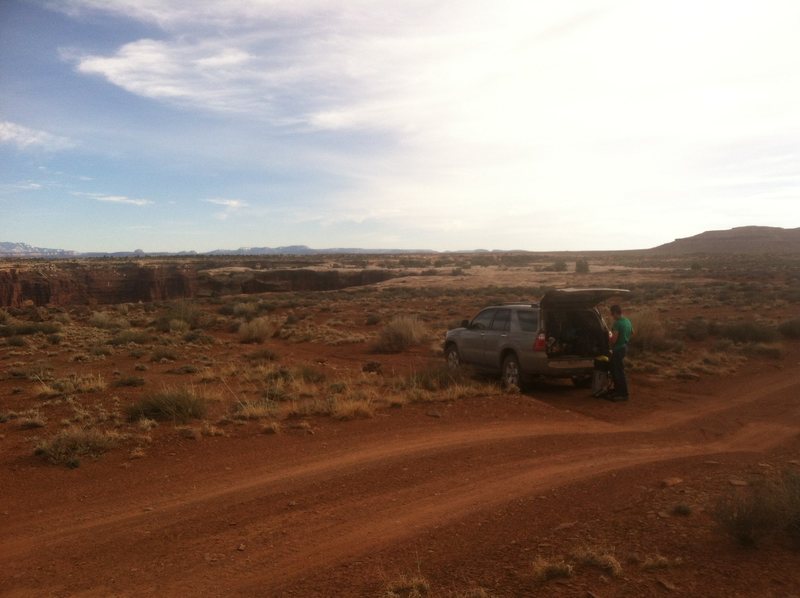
(511, 376)
(452, 357)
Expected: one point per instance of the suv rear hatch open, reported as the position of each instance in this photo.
(575, 331)
(578, 298)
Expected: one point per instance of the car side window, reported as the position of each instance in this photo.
(528, 320)
(502, 320)
(483, 320)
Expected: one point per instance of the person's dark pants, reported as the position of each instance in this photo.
(618, 371)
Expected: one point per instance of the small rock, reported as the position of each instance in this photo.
(241, 547)
(372, 367)
(711, 462)
(663, 514)
(765, 465)
(435, 414)
(667, 585)
(735, 482)
(669, 482)
(566, 525)
(793, 462)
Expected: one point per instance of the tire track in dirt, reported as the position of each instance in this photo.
(332, 531)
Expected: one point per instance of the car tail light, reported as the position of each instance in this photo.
(541, 342)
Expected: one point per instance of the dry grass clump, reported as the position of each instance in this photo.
(357, 405)
(180, 317)
(790, 328)
(72, 384)
(602, 559)
(176, 404)
(161, 354)
(258, 409)
(769, 509)
(127, 337)
(258, 330)
(30, 420)
(129, 381)
(407, 586)
(650, 334)
(271, 428)
(657, 561)
(749, 332)
(544, 570)
(108, 321)
(66, 447)
(400, 333)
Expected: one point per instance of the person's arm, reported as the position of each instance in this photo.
(612, 339)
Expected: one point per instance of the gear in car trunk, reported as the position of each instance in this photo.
(575, 333)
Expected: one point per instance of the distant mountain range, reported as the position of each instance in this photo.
(745, 239)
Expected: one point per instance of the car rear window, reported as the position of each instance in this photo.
(528, 320)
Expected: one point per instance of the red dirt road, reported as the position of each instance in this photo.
(466, 495)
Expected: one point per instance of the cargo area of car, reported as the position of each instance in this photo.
(575, 333)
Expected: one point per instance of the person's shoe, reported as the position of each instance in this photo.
(616, 398)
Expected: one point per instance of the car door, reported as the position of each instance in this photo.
(496, 338)
(471, 345)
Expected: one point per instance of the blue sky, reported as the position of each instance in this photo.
(172, 125)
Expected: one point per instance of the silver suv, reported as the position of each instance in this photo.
(559, 337)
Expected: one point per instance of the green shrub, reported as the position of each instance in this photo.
(698, 329)
(749, 332)
(582, 266)
(28, 328)
(177, 404)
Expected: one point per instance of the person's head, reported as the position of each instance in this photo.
(616, 311)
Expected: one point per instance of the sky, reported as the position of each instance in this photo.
(173, 125)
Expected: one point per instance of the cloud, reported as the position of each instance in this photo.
(463, 115)
(25, 138)
(231, 206)
(122, 199)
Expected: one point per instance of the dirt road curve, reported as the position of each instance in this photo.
(465, 495)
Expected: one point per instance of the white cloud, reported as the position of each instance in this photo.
(230, 205)
(233, 204)
(122, 199)
(26, 138)
(477, 114)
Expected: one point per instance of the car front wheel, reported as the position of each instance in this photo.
(511, 375)
(452, 357)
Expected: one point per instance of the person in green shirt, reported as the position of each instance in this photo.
(621, 333)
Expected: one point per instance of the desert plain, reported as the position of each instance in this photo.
(271, 436)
